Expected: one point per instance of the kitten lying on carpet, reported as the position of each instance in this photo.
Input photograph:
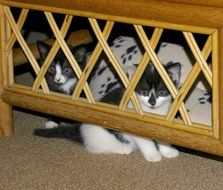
(154, 97)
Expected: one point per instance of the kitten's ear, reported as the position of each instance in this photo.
(80, 53)
(43, 50)
(174, 71)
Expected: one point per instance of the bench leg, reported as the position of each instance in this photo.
(6, 114)
(6, 119)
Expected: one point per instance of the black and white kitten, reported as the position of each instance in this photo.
(154, 97)
(60, 76)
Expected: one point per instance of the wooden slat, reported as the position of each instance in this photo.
(24, 45)
(215, 87)
(162, 72)
(140, 69)
(198, 56)
(6, 114)
(170, 14)
(191, 78)
(67, 52)
(52, 53)
(20, 23)
(74, 39)
(115, 63)
(163, 11)
(105, 116)
(220, 79)
(213, 3)
(92, 61)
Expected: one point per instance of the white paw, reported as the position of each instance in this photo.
(127, 149)
(169, 152)
(153, 157)
(51, 124)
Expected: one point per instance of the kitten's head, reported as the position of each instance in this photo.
(60, 71)
(151, 88)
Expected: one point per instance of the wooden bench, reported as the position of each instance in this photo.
(189, 17)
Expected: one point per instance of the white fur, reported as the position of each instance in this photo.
(199, 113)
(163, 102)
(68, 86)
(167, 150)
(59, 78)
(129, 67)
(51, 124)
(99, 140)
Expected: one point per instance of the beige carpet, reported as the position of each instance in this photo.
(30, 162)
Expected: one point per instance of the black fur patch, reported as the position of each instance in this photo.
(130, 49)
(124, 60)
(71, 133)
(164, 45)
(110, 86)
(130, 58)
(207, 98)
(118, 136)
(101, 70)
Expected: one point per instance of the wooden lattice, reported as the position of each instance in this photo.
(11, 33)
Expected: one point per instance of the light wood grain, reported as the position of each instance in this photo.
(6, 119)
(111, 118)
(144, 11)
(220, 80)
(213, 3)
(183, 15)
(215, 89)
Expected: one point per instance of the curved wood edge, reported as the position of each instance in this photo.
(164, 11)
(78, 110)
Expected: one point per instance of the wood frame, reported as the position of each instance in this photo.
(170, 14)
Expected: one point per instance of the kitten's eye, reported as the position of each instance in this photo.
(51, 69)
(144, 93)
(66, 70)
(162, 93)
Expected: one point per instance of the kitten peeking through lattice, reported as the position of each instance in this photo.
(153, 96)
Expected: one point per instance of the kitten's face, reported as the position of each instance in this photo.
(60, 75)
(154, 98)
(152, 90)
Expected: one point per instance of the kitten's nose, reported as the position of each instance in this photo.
(57, 79)
(152, 100)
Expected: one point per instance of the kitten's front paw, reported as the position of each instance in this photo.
(51, 124)
(169, 152)
(127, 149)
(153, 157)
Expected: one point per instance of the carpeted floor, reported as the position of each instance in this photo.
(28, 162)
